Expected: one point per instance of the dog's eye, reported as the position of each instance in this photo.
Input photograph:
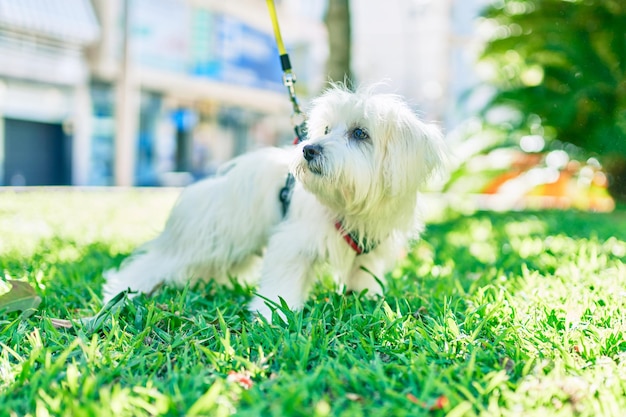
(360, 134)
(326, 130)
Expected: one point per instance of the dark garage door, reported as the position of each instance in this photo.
(36, 153)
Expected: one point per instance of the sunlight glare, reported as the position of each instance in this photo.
(532, 143)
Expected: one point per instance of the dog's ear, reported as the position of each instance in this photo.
(436, 156)
(415, 153)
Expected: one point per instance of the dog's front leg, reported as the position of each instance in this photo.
(368, 271)
(286, 272)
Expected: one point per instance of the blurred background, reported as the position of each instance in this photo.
(531, 94)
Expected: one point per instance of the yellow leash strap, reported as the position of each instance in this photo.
(289, 78)
(279, 39)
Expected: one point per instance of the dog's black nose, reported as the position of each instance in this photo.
(311, 151)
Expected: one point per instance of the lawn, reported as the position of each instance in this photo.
(516, 314)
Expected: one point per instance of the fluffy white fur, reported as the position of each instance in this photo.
(222, 226)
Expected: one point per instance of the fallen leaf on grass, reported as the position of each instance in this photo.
(244, 379)
(421, 313)
(507, 363)
(413, 399)
(93, 323)
(21, 297)
(440, 403)
(61, 323)
(354, 397)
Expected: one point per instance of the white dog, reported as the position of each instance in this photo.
(353, 207)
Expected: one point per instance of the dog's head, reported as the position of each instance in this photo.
(365, 150)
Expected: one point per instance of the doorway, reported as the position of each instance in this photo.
(36, 153)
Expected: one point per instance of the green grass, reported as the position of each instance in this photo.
(516, 314)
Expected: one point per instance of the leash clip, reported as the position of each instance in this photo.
(298, 119)
(289, 81)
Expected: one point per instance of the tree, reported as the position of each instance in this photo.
(564, 61)
(337, 20)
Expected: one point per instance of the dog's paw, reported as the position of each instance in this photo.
(260, 307)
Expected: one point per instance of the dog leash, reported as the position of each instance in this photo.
(289, 78)
(298, 120)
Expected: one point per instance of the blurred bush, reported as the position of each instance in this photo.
(559, 72)
(520, 180)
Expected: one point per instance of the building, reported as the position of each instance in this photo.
(44, 90)
(422, 49)
(144, 92)
(192, 84)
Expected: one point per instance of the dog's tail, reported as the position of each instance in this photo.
(143, 272)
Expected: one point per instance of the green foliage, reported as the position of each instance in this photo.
(565, 62)
(500, 314)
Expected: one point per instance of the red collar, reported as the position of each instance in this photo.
(350, 239)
